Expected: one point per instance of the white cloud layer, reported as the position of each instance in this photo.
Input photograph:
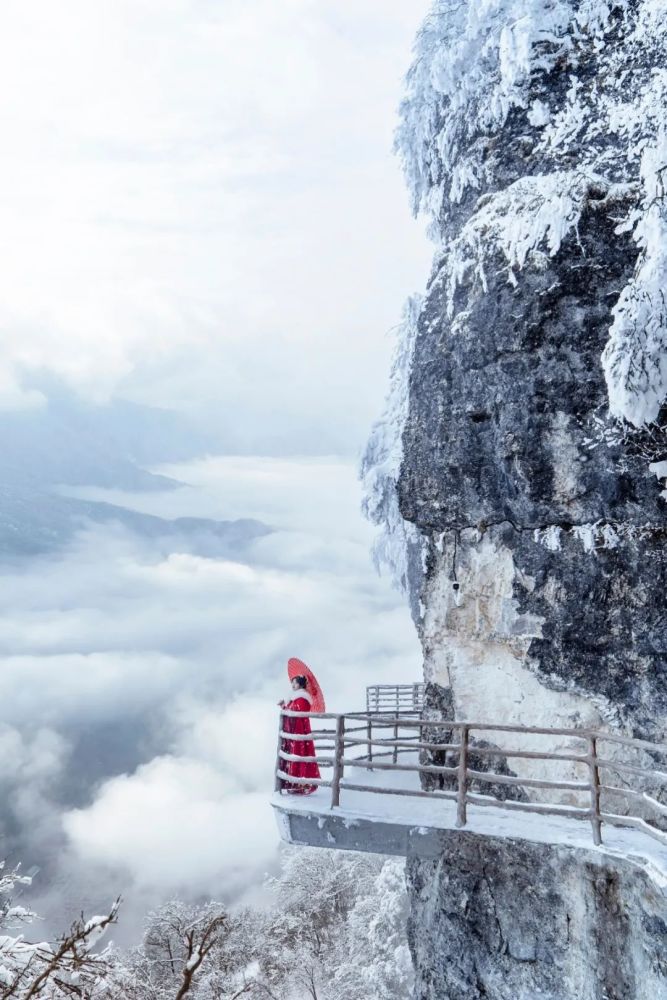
(149, 683)
(177, 824)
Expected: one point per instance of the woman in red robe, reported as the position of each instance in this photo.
(301, 702)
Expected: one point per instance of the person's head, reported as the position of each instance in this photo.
(299, 683)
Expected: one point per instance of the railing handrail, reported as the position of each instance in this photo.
(395, 697)
(337, 757)
(415, 685)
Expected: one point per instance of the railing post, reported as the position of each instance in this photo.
(462, 778)
(338, 761)
(595, 790)
(395, 755)
(278, 784)
(369, 737)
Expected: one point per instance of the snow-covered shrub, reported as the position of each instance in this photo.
(635, 359)
(51, 971)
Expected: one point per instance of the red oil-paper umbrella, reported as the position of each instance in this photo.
(297, 668)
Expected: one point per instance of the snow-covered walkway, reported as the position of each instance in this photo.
(382, 811)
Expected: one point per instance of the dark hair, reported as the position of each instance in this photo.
(301, 680)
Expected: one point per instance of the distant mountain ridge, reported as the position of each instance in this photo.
(72, 442)
(36, 521)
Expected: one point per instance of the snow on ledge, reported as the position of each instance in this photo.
(423, 816)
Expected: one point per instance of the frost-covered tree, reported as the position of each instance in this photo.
(337, 930)
(314, 895)
(586, 84)
(11, 915)
(63, 969)
(332, 928)
(187, 951)
(375, 929)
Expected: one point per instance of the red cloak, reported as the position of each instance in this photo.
(301, 748)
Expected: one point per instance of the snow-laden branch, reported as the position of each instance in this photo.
(68, 968)
(473, 64)
(56, 971)
(533, 213)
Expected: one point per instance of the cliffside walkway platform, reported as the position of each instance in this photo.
(399, 783)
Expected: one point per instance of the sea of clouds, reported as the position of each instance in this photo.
(138, 721)
(204, 216)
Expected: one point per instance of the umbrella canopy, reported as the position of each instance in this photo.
(297, 668)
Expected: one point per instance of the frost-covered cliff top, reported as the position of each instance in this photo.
(579, 90)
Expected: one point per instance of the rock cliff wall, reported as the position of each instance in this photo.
(533, 439)
(484, 926)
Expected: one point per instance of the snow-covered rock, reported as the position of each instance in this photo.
(533, 444)
(539, 510)
(577, 91)
(518, 921)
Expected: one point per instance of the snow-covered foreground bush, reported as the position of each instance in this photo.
(332, 928)
(50, 971)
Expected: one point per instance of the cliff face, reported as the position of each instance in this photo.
(533, 448)
(483, 925)
(545, 535)
(535, 426)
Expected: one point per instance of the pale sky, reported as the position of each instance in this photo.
(201, 208)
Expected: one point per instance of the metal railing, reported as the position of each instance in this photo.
(390, 699)
(576, 750)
